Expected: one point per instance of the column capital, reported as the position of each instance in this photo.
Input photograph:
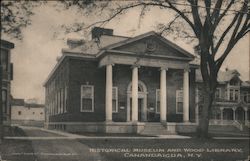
(221, 108)
(186, 69)
(110, 64)
(135, 66)
(163, 68)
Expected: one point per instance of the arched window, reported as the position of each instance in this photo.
(141, 87)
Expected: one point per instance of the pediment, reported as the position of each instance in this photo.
(151, 44)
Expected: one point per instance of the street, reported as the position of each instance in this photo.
(42, 145)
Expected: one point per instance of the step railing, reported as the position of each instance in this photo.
(220, 122)
(235, 123)
(238, 125)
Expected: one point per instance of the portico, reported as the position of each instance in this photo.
(133, 95)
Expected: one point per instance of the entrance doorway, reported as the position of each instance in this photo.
(140, 109)
(142, 102)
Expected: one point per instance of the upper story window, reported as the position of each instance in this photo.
(234, 94)
(19, 112)
(246, 97)
(87, 98)
(179, 101)
(114, 99)
(4, 59)
(234, 82)
(218, 93)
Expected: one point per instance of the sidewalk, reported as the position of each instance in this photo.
(69, 136)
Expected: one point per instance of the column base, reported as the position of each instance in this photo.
(108, 121)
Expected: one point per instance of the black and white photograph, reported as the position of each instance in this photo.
(125, 80)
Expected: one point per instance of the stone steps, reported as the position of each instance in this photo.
(156, 129)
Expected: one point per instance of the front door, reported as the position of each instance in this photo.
(140, 110)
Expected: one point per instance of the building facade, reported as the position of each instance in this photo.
(144, 84)
(6, 76)
(119, 84)
(27, 114)
(232, 99)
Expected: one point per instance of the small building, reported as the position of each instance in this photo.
(27, 114)
(6, 75)
(118, 84)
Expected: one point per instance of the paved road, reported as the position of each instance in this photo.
(56, 149)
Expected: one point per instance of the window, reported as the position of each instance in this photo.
(65, 99)
(61, 100)
(4, 100)
(33, 113)
(234, 94)
(19, 112)
(4, 59)
(114, 99)
(246, 97)
(179, 101)
(218, 93)
(231, 94)
(41, 113)
(157, 97)
(234, 82)
(87, 98)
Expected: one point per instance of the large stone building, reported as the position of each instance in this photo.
(119, 84)
(6, 76)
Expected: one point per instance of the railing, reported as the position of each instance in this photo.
(235, 123)
(238, 125)
(220, 122)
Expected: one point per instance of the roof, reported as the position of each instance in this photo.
(17, 102)
(21, 102)
(107, 42)
(223, 76)
(151, 33)
(97, 46)
(34, 105)
(245, 84)
(93, 46)
(7, 44)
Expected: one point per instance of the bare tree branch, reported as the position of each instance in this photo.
(234, 39)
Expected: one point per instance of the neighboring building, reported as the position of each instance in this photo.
(6, 77)
(120, 84)
(29, 114)
(232, 99)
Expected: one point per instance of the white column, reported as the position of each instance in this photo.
(134, 93)
(109, 85)
(186, 95)
(163, 96)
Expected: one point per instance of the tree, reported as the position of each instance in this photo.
(216, 26)
(16, 15)
(205, 20)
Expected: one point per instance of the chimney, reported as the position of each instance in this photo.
(97, 32)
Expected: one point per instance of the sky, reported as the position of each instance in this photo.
(35, 56)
